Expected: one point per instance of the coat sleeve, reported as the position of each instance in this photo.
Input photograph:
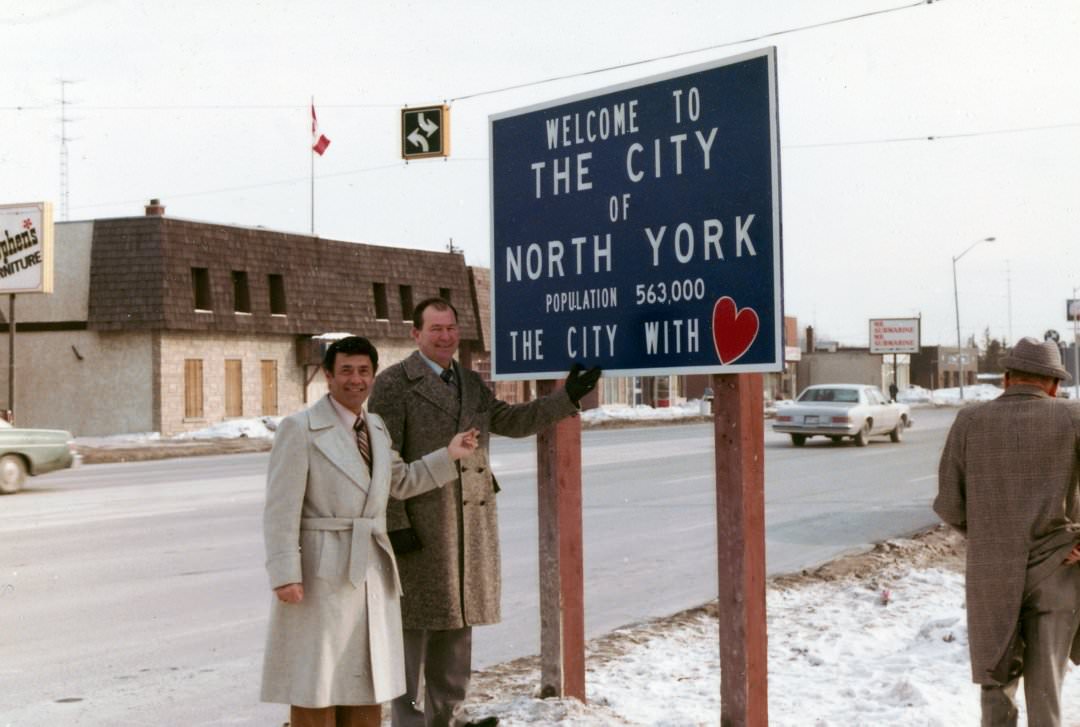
(408, 479)
(385, 401)
(521, 420)
(951, 501)
(286, 484)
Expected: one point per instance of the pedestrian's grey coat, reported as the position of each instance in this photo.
(1009, 477)
(325, 527)
(446, 588)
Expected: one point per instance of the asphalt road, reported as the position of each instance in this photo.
(134, 594)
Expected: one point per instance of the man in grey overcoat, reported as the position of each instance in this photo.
(1009, 479)
(448, 540)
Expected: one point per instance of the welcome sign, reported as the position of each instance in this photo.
(638, 228)
(26, 248)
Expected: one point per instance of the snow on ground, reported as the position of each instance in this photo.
(261, 427)
(624, 412)
(251, 427)
(884, 647)
(948, 397)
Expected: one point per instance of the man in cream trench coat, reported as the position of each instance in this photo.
(335, 625)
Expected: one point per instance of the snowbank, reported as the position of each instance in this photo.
(623, 412)
(258, 427)
(885, 646)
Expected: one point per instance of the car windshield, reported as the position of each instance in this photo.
(846, 396)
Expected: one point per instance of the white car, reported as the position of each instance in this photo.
(842, 410)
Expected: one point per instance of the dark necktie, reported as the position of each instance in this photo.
(362, 441)
(447, 376)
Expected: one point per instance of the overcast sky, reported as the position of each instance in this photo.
(205, 105)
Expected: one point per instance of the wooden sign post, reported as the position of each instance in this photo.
(739, 422)
(562, 570)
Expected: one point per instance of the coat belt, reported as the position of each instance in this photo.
(364, 530)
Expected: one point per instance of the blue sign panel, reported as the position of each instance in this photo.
(638, 228)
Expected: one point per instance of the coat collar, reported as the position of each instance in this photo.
(339, 446)
(1026, 391)
(428, 385)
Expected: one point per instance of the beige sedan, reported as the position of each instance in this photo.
(837, 411)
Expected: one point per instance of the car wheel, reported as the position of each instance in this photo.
(798, 439)
(897, 434)
(12, 474)
(862, 437)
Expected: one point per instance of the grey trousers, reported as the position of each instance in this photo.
(440, 663)
(1049, 619)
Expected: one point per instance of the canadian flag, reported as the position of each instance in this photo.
(318, 141)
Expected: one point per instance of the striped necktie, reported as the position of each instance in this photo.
(362, 441)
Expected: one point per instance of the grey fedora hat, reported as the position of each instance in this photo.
(1036, 357)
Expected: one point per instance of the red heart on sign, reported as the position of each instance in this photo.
(733, 330)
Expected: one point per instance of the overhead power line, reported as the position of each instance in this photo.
(935, 137)
(513, 87)
(680, 54)
(205, 107)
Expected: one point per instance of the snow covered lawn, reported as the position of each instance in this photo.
(874, 640)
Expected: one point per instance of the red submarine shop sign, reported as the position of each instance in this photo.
(634, 226)
(26, 248)
(894, 335)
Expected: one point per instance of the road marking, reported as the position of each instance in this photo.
(58, 520)
(924, 479)
(692, 478)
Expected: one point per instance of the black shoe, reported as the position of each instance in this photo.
(485, 722)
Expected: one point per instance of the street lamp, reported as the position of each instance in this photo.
(956, 301)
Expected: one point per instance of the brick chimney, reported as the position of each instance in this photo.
(810, 339)
(155, 208)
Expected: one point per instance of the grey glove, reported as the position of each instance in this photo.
(579, 384)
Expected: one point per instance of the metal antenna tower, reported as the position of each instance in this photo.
(65, 178)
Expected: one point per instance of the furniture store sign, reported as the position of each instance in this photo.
(26, 244)
(894, 335)
(637, 228)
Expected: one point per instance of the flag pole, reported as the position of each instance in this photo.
(313, 169)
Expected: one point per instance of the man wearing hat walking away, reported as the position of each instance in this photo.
(1009, 480)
